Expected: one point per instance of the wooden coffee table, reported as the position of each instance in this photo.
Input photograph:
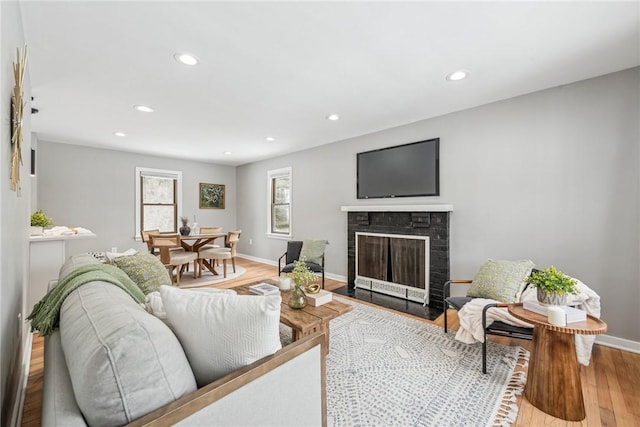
(553, 380)
(305, 321)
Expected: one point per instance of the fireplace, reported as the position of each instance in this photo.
(425, 223)
(393, 264)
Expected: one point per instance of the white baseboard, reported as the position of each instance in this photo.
(328, 275)
(619, 343)
(16, 411)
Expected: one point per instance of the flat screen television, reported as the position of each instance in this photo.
(407, 170)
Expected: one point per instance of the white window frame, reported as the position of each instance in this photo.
(142, 171)
(277, 173)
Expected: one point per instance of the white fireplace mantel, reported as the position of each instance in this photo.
(397, 208)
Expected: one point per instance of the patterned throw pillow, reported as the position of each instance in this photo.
(501, 280)
(312, 250)
(145, 270)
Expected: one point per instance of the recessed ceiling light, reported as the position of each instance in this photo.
(120, 134)
(457, 75)
(186, 58)
(333, 117)
(227, 153)
(269, 138)
(143, 108)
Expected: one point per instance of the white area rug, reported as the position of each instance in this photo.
(385, 369)
(187, 281)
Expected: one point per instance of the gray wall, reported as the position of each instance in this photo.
(95, 189)
(552, 176)
(14, 216)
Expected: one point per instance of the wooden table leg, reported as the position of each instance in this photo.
(324, 327)
(553, 380)
(209, 266)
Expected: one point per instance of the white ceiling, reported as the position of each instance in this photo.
(278, 69)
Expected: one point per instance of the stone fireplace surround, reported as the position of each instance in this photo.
(417, 220)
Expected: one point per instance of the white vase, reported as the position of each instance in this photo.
(36, 231)
(285, 283)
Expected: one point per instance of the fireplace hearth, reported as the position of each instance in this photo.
(429, 223)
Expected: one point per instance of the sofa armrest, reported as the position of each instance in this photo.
(262, 393)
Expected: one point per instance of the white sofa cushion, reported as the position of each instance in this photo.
(221, 332)
(123, 362)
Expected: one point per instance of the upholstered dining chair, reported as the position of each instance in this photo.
(210, 230)
(145, 238)
(503, 281)
(311, 250)
(224, 254)
(174, 260)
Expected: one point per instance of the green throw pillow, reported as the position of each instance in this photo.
(501, 280)
(312, 250)
(145, 270)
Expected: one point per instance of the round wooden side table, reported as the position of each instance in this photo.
(553, 379)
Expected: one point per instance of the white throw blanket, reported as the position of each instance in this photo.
(470, 316)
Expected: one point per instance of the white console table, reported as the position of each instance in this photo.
(46, 256)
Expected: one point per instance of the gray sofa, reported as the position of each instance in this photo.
(123, 365)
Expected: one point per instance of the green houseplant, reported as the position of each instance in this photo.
(39, 221)
(553, 286)
(301, 276)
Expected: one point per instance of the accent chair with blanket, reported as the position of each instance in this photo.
(482, 311)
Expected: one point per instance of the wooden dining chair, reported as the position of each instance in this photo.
(210, 230)
(224, 254)
(174, 260)
(145, 238)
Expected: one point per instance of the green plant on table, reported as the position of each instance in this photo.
(39, 219)
(301, 274)
(552, 281)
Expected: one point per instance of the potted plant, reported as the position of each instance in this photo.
(302, 276)
(39, 221)
(553, 286)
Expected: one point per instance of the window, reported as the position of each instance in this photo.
(279, 223)
(158, 199)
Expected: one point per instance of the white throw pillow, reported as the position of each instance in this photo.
(220, 332)
(154, 305)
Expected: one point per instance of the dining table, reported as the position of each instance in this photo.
(194, 242)
(191, 243)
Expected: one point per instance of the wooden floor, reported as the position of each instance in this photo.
(610, 384)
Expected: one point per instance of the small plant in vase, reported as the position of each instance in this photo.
(302, 276)
(553, 286)
(39, 221)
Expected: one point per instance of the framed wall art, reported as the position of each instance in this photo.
(211, 196)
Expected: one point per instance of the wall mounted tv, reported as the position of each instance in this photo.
(407, 170)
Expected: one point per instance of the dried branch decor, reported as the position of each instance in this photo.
(17, 108)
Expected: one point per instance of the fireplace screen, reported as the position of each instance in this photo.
(393, 264)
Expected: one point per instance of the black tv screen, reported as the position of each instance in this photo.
(407, 170)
